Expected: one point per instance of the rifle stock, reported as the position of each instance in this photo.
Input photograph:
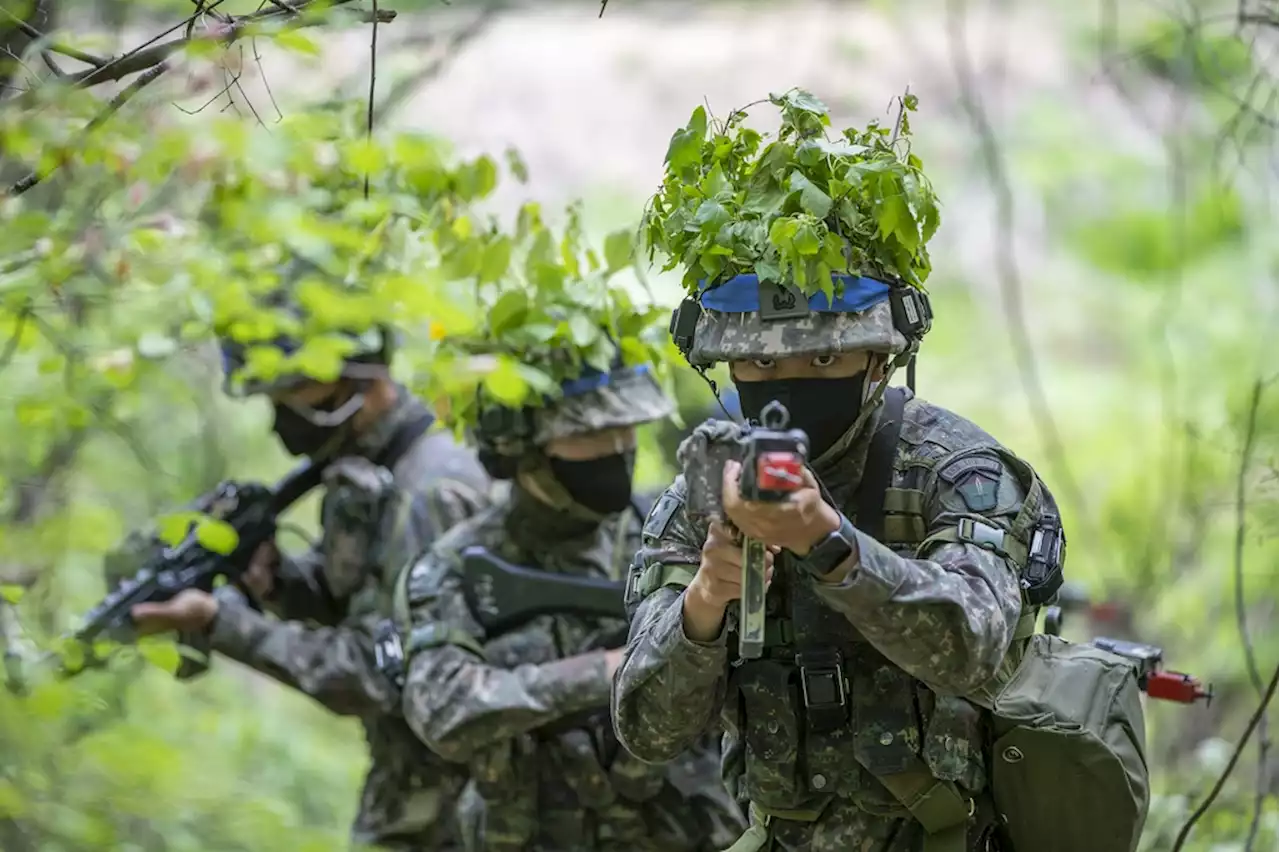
(503, 596)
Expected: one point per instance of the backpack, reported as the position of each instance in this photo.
(1067, 747)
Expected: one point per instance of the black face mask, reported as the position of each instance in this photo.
(824, 408)
(602, 485)
(299, 435)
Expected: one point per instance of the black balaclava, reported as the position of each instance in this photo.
(602, 485)
(824, 408)
(300, 436)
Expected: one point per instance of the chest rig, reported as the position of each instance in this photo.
(822, 714)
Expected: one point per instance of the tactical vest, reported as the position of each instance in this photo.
(821, 693)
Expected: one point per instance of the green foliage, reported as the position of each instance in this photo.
(1137, 239)
(551, 308)
(1187, 54)
(795, 209)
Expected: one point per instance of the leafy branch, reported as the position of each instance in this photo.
(798, 209)
(151, 59)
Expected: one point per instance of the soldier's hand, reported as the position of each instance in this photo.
(260, 577)
(191, 611)
(717, 583)
(799, 523)
(613, 660)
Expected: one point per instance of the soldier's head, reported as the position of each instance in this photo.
(822, 359)
(312, 417)
(576, 449)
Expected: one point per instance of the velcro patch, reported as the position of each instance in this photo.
(980, 490)
(778, 302)
(954, 471)
(660, 517)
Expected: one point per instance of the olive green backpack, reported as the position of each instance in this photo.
(1067, 751)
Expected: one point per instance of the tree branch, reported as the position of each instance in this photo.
(1200, 811)
(1006, 263)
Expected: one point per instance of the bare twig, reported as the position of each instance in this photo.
(1204, 806)
(56, 47)
(1246, 641)
(1006, 262)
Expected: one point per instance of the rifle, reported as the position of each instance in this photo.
(1153, 678)
(773, 459)
(504, 597)
(251, 509)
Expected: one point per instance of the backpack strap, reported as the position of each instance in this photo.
(403, 439)
(877, 474)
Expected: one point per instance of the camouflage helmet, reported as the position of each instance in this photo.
(743, 318)
(368, 358)
(592, 401)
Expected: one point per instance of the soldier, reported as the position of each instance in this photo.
(392, 485)
(894, 585)
(526, 711)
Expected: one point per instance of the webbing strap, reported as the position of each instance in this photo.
(937, 805)
(436, 635)
(980, 534)
(1026, 626)
(656, 575)
(877, 474)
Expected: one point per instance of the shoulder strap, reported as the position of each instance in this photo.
(878, 472)
(402, 440)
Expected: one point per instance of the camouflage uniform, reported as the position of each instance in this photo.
(917, 623)
(526, 712)
(371, 519)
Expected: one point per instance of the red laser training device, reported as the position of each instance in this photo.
(1152, 678)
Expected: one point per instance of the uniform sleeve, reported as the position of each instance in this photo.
(669, 689)
(298, 592)
(948, 617)
(333, 665)
(454, 700)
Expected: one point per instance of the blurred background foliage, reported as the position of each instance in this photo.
(1104, 283)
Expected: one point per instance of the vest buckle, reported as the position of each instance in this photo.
(823, 688)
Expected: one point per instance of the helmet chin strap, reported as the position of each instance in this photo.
(871, 401)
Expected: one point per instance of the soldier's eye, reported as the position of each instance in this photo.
(763, 363)
(823, 360)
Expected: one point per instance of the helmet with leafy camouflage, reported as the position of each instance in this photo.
(512, 441)
(743, 319)
(367, 358)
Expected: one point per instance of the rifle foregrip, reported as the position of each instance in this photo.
(751, 606)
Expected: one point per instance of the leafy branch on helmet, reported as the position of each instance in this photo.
(796, 207)
(410, 255)
(554, 310)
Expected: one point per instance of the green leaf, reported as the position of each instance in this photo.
(509, 311)
(163, 655)
(812, 199)
(583, 331)
(505, 383)
(174, 527)
(710, 216)
(217, 536)
(516, 164)
(296, 41)
(155, 345)
(619, 250)
(11, 593)
(496, 261)
(685, 148)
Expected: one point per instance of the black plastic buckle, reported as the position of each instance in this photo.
(388, 652)
(823, 689)
(912, 312)
(1042, 575)
(684, 322)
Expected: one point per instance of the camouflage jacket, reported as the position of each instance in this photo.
(527, 711)
(373, 521)
(915, 625)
